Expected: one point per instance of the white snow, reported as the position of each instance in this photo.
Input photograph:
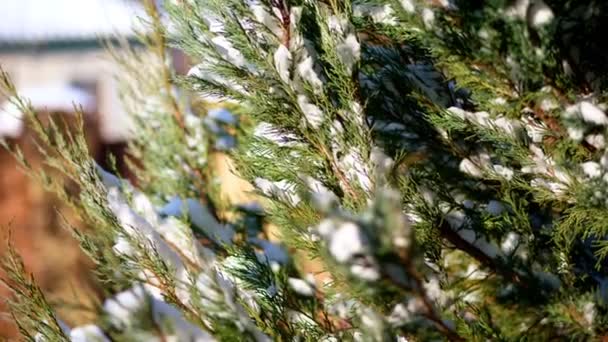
(604, 160)
(282, 62)
(481, 118)
(536, 131)
(355, 170)
(468, 167)
(123, 304)
(508, 126)
(518, 9)
(587, 112)
(576, 133)
(548, 104)
(380, 159)
(296, 317)
(327, 227)
(88, 333)
(313, 114)
(500, 123)
(321, 195)
(349, 51)
(408, 5)
(39, 337)
(596, 140)
(123, 247)
(555, 187)
(207, 283)
(347, 241)
(458, 112)
(140, 229)
(475, 272)
(499, 100)
(428, 17)
(337, 24)
(510, 243)
(204, 71)
(11, 121)
(571, 111)
(504, 171)
(151, 232)
(433, 290)
(539, 14)
(455, 218)
(213, 21)
(123, 307)
(308, 73)
(263, 17)
(267, 131)
(589, 312)
(404, 312)
(142, 205)
(180, 235)
(301, 287)
(592, 169)
(365, 272)
(227, 51)
(283, 189)
(399, 315)
(379, 14)
(295, 14)
(591, 113)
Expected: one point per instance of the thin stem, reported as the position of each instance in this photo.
(431, 313)
(160, 49)
(454, 238)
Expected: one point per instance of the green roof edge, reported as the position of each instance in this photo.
(59, 45)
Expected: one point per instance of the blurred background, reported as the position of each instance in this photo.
(52, 51)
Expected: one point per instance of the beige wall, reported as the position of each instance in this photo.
(86, 66)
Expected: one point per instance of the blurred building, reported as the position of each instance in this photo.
(52, 52)
(53, 47)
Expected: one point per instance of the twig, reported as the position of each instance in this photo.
(160, 50)
(430, 308)
(454, 238)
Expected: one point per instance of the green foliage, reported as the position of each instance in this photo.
(443, 162)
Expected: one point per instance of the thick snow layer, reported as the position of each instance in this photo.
(31, 21)
(301, 287)
(347, 241)
(123, 307)
(87, 333)
(51, 97)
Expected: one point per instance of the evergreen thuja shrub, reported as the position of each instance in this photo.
(442, 162)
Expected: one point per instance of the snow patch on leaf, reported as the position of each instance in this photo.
(282, 62)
